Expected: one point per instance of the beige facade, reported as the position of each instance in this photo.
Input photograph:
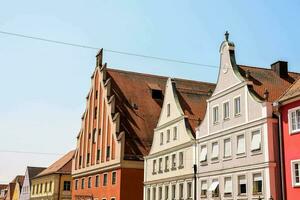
(51, 187)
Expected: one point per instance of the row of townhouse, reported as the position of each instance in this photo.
(40, 183)
(152, 137)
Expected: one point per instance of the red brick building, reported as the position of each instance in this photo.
(290, 120)
(117, 128)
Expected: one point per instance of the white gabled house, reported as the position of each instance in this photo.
(237, 143)
(168, 169)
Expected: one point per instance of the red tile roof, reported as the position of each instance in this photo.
(61, 166)
(262, 79)
(291, 92)
(140, 112)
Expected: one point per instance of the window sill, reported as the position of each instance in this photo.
(241, 155)
(166, 170)
(215, 160)
(256, 152)
(226, 119)
(160, 171)
(296, 185)
(227, 158)
(237, 115)
(203, 163)
(173, 168)
(215, 123)
(181, 167)
(295, 132)
(154, 173)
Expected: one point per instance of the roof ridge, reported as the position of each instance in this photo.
(263, 68)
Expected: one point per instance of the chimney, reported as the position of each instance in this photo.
(280, 68)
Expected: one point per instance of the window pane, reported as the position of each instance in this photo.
(203, 154)
(256, 141)
(227, 148)
(240, 144)
(215, 150)
(298, 119)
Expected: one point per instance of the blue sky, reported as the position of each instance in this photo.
(43, 86)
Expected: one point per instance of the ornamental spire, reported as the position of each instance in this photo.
(226, 36)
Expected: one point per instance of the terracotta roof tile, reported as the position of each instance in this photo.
(263, 79)
(140, 112)
(61, 166)
(33, 171)
(291, 92)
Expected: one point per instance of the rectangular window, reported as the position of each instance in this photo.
(240, 144)
(214, 188)
(242, 190)
(50, 186)
(181, 191)
(168, 135)
(257, 183)
(215, 114)
(82, 183)
(89, 182)
(173, 161)
(189, 190)
(166, 163)
(154, 193)
(76, 184)
(227, 186)
(181, 159)
(154, 166)
(96, 94)
(88, 158)
(294, 120)
(37, 189)
(95, 112)
(160, 163)
(148, 194)
(256, 141)
(168, 110)
(45, 189)
(175, 133)
(295, 173)
(226, 110)
(104, 179)
(80, 158)
(166, 192)
(114, 178)
(203, 188)
(98, 154)
(97, 181)
(41, 188)
(227, 148)
(215, 151)
(107, 152)
(94, 136)
(173, 191)
(161, 138)
(203, 154)
(33, 189)
(237, 106)
(160, 193)
(67, 185)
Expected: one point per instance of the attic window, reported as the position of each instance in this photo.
(156, 94)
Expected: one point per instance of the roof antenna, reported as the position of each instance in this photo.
(226, 36)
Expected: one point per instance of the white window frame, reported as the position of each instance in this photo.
(238, 185)
(161, 138)
(237, 145)
(154, 163)
(224, 148)
(181, 159)
(252, 133)
(223, 109)
(234, 108)
(231, 180)
(202, 147)
(215, 118)
(202, 182)
(293, 175)
(290, 111)
(189, 189)
(262, 185)
(214, 158)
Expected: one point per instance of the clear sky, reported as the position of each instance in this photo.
(43, 86)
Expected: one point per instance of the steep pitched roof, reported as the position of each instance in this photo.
(192, 97)
(140, 112)
(33, 171)
(262, 79)
(291, 92)
(61, 166)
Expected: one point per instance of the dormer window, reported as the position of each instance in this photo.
(157, 94)
(168, 110)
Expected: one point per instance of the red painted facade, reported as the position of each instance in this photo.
(291, 148)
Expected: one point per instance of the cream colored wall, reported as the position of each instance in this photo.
(16, 195)
(253, 116)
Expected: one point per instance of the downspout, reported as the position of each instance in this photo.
(281, 149)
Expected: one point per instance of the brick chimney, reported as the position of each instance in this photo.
(280, 68)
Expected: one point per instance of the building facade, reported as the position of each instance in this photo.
(289, 107)
(54, 183)
(29, 174)
(237, 142)
(14, 188)
(3, 191)
(169, 172)
(122, 110)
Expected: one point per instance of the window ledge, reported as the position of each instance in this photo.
(297, 131)
(241, 155)
(166, 170)
(256, 152)
(227, 158)
(154, 173)
(160, 171)
(181, 167)
(173, 168)
(226, 119)
(203, 163)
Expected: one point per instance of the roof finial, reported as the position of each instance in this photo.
(226, 36)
